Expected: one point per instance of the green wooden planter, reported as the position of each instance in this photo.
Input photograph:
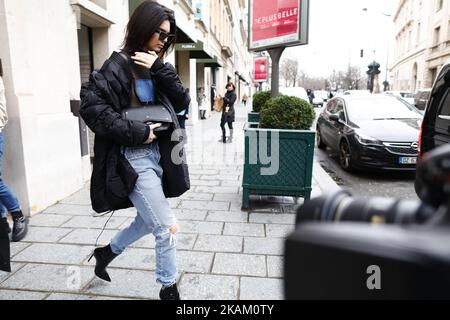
(253, 124)
(294, 176)
(253, 117)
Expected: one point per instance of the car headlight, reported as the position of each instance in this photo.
(366, 140)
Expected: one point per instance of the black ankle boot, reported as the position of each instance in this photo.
(20, 226)
(103, 256)
(170, 293)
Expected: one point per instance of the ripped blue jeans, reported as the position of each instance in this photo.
(154, 215)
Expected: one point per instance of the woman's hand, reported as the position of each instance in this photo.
(145, 59)
(152, 136)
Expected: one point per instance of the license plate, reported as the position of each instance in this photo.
(408, 160)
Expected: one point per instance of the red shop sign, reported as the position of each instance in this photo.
(278, 23)
(261, 69)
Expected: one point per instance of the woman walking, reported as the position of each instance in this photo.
(228, 112)
(133, 164)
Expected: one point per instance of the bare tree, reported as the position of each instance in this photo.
(289, 72)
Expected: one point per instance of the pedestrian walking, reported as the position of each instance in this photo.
(133, 164)
(228, 112)
(213, 96)
(202, 103)
(8, 200)
(244, 100)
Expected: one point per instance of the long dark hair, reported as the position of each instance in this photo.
(144, 22)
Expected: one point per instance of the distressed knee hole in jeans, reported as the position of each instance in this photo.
(173, 231)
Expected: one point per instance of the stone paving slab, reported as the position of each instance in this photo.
(126, 284)
(16, 247)
(207, 183)
(204, 205)
(227, 183)
(279, 230)
(208, 287)
(224, 177)
(228, 197)
(88, 237)
(219, 243)
(197, 196)
(201, 227)
(14, 268)
(49, 278)
(95, 223)
(264, 246)
(261, 289)
(203, 189)
(272, 218)
(192, 261)
(78, 297)
(202, 172)
(45, 235)
(70, 209)
(275, 266)
(183, 214)
(48, 220)
(244, 229)
(227, 216)
(54, 253)
(15, 295)
(240, 264)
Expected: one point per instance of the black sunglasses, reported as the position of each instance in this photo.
(163, 36)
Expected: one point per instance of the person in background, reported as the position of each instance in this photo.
(213, 96)
(202, 105)
(244, 100)
(184, 115)
(8, 200)
(311, 96)
(228, 112)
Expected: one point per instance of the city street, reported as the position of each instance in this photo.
(385, 184)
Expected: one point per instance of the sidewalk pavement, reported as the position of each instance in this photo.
(223, 252)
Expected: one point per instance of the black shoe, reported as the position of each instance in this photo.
(170, 293)
(20, 228)
(103, 256)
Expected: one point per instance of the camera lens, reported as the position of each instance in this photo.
(341, 206)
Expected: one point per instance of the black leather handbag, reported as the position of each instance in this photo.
(150, 115)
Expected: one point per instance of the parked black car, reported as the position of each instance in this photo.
(436, 122)
(371, 132)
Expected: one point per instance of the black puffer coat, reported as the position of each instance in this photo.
(103, 98)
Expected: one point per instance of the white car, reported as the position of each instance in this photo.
(298, 92)
(405, 95)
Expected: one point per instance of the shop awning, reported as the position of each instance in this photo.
(211, 63)
(196, 50)
(241, 77)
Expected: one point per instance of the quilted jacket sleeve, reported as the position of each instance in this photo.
(170, 84)
(99, 105)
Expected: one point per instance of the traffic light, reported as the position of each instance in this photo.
(362, 53)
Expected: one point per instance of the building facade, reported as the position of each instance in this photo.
(422, 43)
(49, 47)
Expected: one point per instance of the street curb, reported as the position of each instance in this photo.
(325, 182)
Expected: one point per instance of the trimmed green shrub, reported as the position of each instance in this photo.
(260, 99)
(285, 112)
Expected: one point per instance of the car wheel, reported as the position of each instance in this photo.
(320, 143)
(345, 156)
